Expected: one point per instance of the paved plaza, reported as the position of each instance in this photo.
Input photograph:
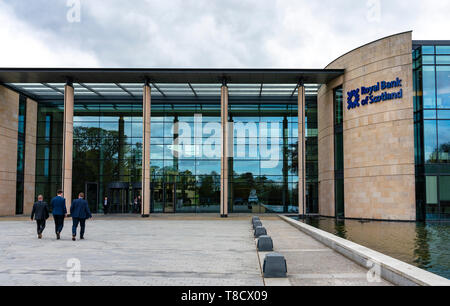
(201, 251)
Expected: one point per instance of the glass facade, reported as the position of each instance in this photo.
(185, 154)
(312, 156)
(339, 152)
(432, 131)
(185, 158)
(265, 175)
(20, 178)
(49, 149)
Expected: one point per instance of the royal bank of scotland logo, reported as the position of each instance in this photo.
(353, 99)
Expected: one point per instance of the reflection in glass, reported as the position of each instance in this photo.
(443, 86)
(108, 151)
(430, 141)
(429, 87)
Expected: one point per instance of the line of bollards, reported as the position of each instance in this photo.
(274, 264)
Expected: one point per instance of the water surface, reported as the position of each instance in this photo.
(425, 245)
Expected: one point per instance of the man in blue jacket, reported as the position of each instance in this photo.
(79, 212)
(59, 212)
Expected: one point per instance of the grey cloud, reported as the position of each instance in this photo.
(200, 33)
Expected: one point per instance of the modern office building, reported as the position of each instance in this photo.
(368, 137)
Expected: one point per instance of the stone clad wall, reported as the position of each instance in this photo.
(326, 147)
(9, 124)
(378, 138)
(30, 156)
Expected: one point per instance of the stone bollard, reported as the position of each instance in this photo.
(265, 244)
(256, 224)
(260, 231)
(275, 266)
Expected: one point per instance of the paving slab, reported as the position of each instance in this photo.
(131, 251)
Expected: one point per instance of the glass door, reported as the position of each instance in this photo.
(157, 197)
(119, 199)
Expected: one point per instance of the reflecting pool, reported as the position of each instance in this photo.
(425, 245)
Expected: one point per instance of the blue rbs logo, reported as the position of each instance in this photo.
(353, 99)
(371, 94)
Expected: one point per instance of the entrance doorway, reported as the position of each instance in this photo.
(166, 198)
(135, 194)
(119, 195)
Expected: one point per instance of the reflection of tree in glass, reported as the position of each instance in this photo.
(267, 191)
(442, 152)
(96, 153)
(209, 189)
(187, 186)
(293, 156)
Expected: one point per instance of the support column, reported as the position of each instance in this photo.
(301, 151)
(68, 144)
(285, 195)
(146, 136)
(225, 148)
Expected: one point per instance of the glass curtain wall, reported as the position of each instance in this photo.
(20, 178)
(107, 154)
(263, 169)
(185, 155)
(312, 156)
(432, 131)
(185, 158)
(49, 149)
(339, 153)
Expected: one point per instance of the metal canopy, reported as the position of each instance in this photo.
(202, 76)
(188, 84)
(125, 91)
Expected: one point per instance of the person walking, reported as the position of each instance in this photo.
(106, 204)
(135, 204)
(40, 214)
(59, 212)
(138, 206)
(79, 212)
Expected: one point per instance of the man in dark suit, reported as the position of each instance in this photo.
(40, 214)
(138, 205)
(59, 211)
(79, 212)
(106, 205)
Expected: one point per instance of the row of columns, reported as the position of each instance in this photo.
(146, 170)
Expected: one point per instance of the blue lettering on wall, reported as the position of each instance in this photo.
(372, 93)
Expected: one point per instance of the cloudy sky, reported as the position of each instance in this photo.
(205, 33)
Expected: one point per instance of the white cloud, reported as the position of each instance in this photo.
(26, 46)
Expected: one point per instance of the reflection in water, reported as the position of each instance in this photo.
(422, 247)
(339, 227)
(425, 245)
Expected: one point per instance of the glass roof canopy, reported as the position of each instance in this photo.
(52, 91)
(121, 84)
